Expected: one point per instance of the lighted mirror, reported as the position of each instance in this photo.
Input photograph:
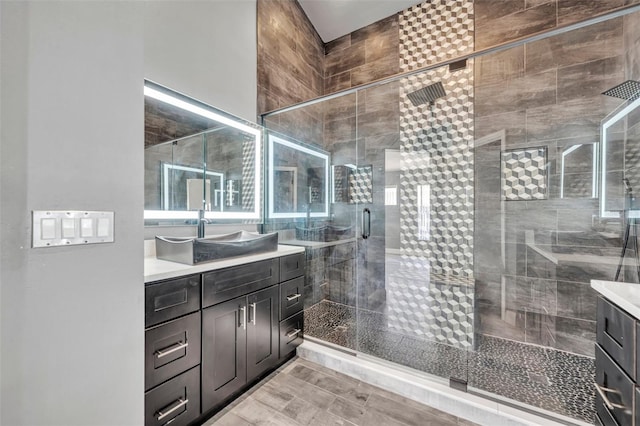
(298, 180)
(198, 158)
(620, 170)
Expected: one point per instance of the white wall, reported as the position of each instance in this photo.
(71, 128)
(205, 49)
(72, 318)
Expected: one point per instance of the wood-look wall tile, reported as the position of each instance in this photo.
(344, 60)
(343, 129)
(267, 101)
(382, 26)
(577, 117)
(274, 22)
(570, 11)
(632, 46)
(533, 3)
(378, 123)
(340, 107)
(515, 25)
(381, 46)
(372, 71)
(513, 122)
(337, 82)
(597, 41)
(530, 91)
(337, 44)
(589, 79)
(496, 67)
(487, 10)
(377, 98)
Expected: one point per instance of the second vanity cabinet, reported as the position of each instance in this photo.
(616, 366)
(209, 335)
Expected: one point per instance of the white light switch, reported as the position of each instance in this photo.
(103, 227)
(48, 229)
(86, 227)
(68, 228)
(57, 228)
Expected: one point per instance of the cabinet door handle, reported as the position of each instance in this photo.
(243, 317)
(603, 394)
(171, 349)
(293, 297)
(293, 333)
(178, 404)
(253, 313)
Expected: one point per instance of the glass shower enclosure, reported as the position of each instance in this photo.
(452, 216)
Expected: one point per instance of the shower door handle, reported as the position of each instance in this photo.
(366, 223)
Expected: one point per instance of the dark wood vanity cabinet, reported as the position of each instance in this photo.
(616, 366)
(209, 336)
(240, 342)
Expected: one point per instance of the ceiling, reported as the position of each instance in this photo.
(335, 18)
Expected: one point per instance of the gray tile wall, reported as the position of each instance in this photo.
(545, 94)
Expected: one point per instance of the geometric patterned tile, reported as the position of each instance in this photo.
(434, 31)
(524, 174)
(360, 185)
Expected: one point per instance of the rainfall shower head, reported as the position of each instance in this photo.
(427, 94)
(629, 90)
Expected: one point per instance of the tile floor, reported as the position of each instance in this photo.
(303, 393)
(554, 380)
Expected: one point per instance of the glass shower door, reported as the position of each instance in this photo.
(415, 260)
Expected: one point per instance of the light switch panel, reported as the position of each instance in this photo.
(51, 228)
(68, 228)
(48, 229)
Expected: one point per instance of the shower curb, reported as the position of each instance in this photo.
(425, 391)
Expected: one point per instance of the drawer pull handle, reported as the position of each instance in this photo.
(244, 317)
(253, 313)
(293, 333)
(603, 394)
(179, 404)
(171, 349)
(293, 297)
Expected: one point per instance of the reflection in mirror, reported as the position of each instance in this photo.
(298, 180)
(578, 176)
(620, 163)
(216, 168)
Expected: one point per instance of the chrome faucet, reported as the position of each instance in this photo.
(201, 223)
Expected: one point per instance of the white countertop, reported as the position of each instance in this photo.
(625, 295)
(156, 269)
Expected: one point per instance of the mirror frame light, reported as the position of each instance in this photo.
(271, 201)
(171, 97)
(606, 123)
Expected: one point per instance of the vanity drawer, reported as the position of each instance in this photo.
(616, 333)
(171, 299)
(229, 283)
(171, 348)
(292, 266)
(176, 401)
(291, 333)
(617, 387)
(291, 297)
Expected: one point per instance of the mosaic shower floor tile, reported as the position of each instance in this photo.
(542, 377)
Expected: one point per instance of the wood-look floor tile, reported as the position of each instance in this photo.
(273, 396)
(347, 410)
(325, 418)
(303, 390)
(253, 411)
(301, 411)
(408, 413)
(229, 419)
